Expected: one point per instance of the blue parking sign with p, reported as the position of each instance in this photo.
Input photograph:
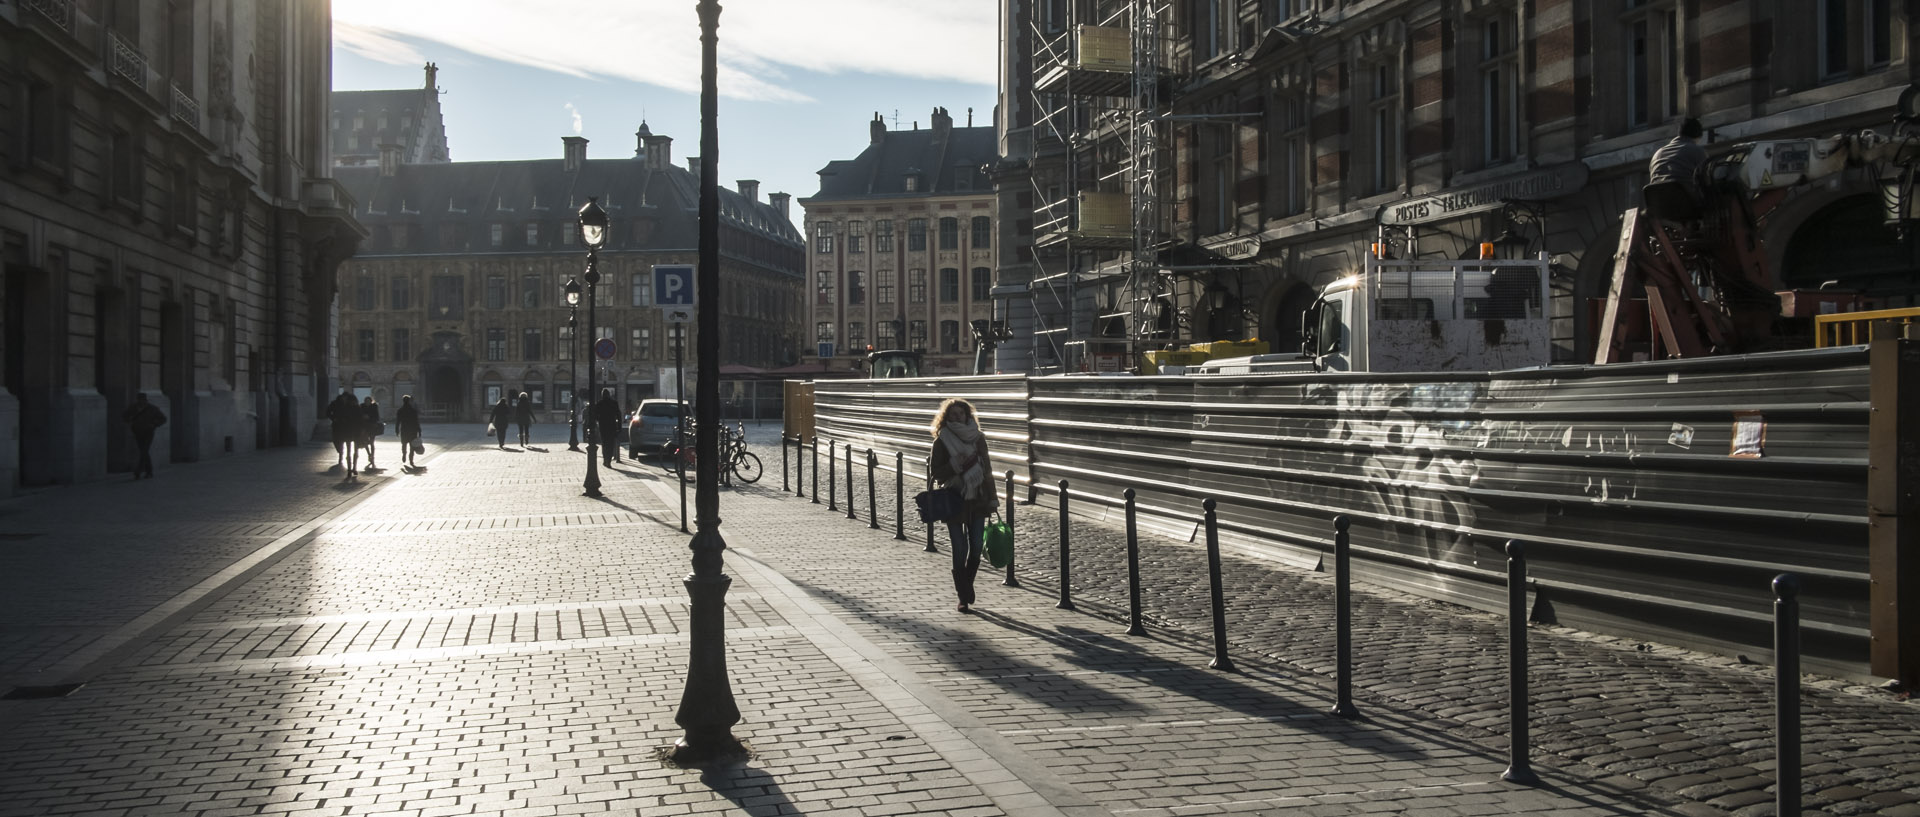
(673, 285)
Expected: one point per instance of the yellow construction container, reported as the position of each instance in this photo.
(1160, 358)
(1106, 214)
(1105, 49)
(1221, 349)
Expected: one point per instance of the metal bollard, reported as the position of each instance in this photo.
(1134, 625)
(1220, 660)
(784, 485)
(873, 504)
(1518, 770)
(900, 496)
(1342, 622)
(1786, 695)
(850, 512)
(930, 548)
(1066, 580)
(1011, 580)
(816, 469)
(833, 493)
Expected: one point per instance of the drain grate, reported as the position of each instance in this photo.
(18, 537)
(36, 693)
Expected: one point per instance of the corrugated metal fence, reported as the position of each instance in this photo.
(1632, 480)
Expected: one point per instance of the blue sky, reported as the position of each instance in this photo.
(798, 81)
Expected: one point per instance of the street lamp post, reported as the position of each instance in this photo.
(593, 231)
(707, 710)
(573, 364)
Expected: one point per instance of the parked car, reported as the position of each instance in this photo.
(652, 426)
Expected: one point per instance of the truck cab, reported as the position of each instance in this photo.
(1433, 316)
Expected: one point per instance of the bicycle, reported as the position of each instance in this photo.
(737, 461)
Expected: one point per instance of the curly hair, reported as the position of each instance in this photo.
(940, 417)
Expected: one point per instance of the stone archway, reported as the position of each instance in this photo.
(446, 393)
(1281, 322)
(1846, 245)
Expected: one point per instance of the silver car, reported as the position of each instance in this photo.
(652, 426)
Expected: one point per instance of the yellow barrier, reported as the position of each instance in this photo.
(1852, 328)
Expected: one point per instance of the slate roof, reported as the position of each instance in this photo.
(946, 159)
(425, 140)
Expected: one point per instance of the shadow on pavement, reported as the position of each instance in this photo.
(755, 791)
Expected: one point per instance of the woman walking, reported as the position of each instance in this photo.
(523, 416)
(407, 417)
(502, 415)
(370, 429)
(344, 414)
(960, 463)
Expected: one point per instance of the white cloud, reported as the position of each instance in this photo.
(658, 41)
(576, 118)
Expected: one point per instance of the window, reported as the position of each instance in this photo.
(365, 298)
(1219, 204)
(856, 336)
(449, 298)
(46, 124)
(1290, 158)
(1653, 64)
(533, 234)
(856, 288)
(916, 235)
(916, 286)
(824, 283)
(823, 237)
(887, 335)
(530, 292)
(883, 235)
(982, 233)
(496, 292)
(1840, 22)
(402, 345)
(530, 344)
(1212, 28)
(496, 233)
(856, 236)
(537, 395)
(496, 344)
(823, 332)
(1383, 108)
(883, 288)
(949, 233)
(400, 292)
(566, 240)
(949, 285)
(125, 172)
(364, 341)
(911, 183)
(982, 283)
(565, 336)
(603, 332)
(642, 290)
(564, 391)
(1499, 90)
(917, 335)
(640, 343)
(949, 336)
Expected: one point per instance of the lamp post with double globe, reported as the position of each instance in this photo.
(593, 232)
(573, 364)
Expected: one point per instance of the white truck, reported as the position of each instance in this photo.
(1420, 316)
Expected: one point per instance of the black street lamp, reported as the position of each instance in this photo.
(707, 711)
(573, 364)
(593, 232)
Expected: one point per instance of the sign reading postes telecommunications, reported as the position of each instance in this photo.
(603, 348)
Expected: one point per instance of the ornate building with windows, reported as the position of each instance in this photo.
(361, 123)
(1196, 170)
(456, 296)
(167, 226)
(901, 251)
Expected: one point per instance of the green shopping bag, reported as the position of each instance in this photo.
(999, 542)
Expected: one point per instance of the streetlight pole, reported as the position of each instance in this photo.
(573, 364)
(707, 710)
(593, 230)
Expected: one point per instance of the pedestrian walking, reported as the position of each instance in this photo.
(523, 416)
(502, 415)
(407, 420)
(606, 419)
(960, 462)
(143, 418)
(370, 428)
(344, 414)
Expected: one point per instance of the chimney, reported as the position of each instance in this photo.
(941, 121)
(389, 160)
(693, 165)
(659, 152)
(779, 202)
(433, 72)
(879, 128)
(749, 188)
(573, 152)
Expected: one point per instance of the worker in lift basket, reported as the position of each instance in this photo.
(1681, 160)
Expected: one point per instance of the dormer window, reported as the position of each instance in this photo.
(913, 183)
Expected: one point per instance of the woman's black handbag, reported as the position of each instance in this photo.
(939, 504)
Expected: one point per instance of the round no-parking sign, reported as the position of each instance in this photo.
(603, 348)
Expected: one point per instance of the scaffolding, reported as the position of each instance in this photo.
(1098, 298)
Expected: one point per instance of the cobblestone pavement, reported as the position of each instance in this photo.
(480, 639)
(1680, 724)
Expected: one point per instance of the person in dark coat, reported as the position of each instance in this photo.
(502, 415)
(143, 418)
(407, 418)
(606, 420)
(370, 428)
(523, 416)
(344, 414)
(960, 462)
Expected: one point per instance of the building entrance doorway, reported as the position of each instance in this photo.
(446, 394)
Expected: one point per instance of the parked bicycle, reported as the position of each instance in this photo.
(736, 461)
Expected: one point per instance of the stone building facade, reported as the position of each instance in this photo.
(456, 297)
(901, 248)
(362, 123)
(168, 225)
(1289, 136)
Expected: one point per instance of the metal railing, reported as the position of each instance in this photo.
(185, 108)
(127, 61)
(57, 12)
(1851, 328)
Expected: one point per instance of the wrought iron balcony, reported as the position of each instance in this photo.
(184, 108)
(57, 12)
(128, 63)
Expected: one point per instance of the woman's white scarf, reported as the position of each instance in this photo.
(962, 441)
